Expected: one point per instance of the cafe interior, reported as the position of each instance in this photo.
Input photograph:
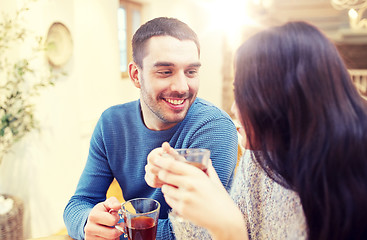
(86, 56)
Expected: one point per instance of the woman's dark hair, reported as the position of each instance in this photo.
(161, 26)
(300, 108)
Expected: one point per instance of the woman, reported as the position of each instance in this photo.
(304, 173)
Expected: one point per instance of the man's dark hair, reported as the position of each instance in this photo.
(161, 26)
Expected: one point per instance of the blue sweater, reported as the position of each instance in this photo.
(119, 148)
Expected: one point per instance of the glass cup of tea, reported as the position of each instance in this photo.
(198, 157)
(141, 218)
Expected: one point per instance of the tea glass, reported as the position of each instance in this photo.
(141, 218)
(198, 157)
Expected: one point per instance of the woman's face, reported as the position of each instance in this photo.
(240, 129)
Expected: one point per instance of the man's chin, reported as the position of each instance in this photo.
(176, 119)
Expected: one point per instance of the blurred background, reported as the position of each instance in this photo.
(89, 51)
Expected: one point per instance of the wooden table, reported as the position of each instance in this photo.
(54, 237)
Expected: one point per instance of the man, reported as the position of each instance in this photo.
(165, 69)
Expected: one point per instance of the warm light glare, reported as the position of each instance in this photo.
(352, 14)
(353, 18)
(229, 17)
(356, 12)
(257, 2)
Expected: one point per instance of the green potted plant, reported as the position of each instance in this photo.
(21, 79)
(23, 74)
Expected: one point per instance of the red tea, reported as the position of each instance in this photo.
(142, 228)
(199, 165)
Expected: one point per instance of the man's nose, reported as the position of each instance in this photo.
(179, 83)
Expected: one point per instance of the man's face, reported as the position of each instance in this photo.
(169, 81)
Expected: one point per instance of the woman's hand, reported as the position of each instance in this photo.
(199, 197)
(151, 170)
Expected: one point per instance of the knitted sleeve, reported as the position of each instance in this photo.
(271, 211)
(91, 189)
(185, 230)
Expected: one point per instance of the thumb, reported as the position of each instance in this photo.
(213, 174)
(112, 204)
(166, 147)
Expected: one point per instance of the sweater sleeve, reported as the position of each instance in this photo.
(91, 188)
(185, 230)
(164, 230)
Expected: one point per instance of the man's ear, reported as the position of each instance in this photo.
(134, 73)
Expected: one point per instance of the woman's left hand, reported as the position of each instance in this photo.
(197, 196)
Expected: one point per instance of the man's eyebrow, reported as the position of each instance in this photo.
(163, 64)
(195, 65)
(169, 64)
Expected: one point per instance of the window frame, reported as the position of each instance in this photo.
(130, 7)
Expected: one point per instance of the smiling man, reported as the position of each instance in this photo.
(168, 79)
(166, 65)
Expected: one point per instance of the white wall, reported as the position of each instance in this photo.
(44, 168)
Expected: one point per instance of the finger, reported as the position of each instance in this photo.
(176, 167)
(151, 169)
(153, 181)
(104, 213)
(152, 155)
(172, 197)
(108, 233)
(112, 203)
(171, 151)
(211, 170)
(171, 191)
(180, 181)
(151, 176)
(149, 179)
(94, 237)
(172, 202)
(166, 147)
(213, 174)
(157, 155)
(178, 198)
(121, 227)
(111, 233)
(103, 218)
(98, 231)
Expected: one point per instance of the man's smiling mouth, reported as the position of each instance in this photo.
(175, 101)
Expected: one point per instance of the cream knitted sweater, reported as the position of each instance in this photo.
(271, 211)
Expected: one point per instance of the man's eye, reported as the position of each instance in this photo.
(167, 72)
(192, 73)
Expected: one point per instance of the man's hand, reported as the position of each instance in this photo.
(102, 220)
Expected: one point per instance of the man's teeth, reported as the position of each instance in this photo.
(175, 101)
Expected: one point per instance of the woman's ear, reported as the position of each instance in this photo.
(134, 73)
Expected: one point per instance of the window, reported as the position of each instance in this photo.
(129, 20)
